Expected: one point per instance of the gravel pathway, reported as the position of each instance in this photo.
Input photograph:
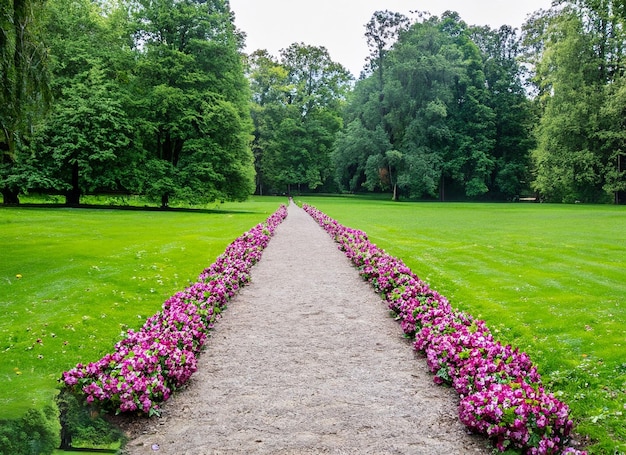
(306, 360)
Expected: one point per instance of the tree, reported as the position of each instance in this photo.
(577, 49)
(298, 114)
(318, 82)
(354, 145)
(613, 133)
(86, 138)
(567, 159)
(271, 92)
(514, 118)
(437, 116)
(193, 101)
(382, 32)
(23, 93)
(86, 142)
(470, 161)
(450, 102)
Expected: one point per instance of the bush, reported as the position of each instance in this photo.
(83, 426)
(36, 433)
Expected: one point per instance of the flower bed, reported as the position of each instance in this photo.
(500, 389)
(147, 365)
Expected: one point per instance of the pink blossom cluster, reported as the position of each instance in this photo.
(147, 365)
(500, 389)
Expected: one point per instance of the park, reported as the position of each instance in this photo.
(474, 179)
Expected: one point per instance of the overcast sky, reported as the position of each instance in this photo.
(338, 25)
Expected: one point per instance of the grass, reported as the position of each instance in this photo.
(71, 280)
(547, 278)
(550, 279)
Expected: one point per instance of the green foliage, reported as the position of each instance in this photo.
(435, 93)
(381, 32)
(514, 118)
(35, 433)
(613, 134)
(193, 102)
(297, 116)
(85, 144)
(546, 278)
(83, 426)
(354, 146)
(150, 98)
(85, 138)
(24, 90)
(580, 145)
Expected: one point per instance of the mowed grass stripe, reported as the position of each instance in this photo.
(86, 275)
(550, 279)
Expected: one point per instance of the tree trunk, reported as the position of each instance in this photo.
(395, 192)
(72, 198)
(10, 197)
(442, 189)
(620, 196)
(68, 407)
(66, 435)
(73, 195)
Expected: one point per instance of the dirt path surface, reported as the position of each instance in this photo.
(306, 360)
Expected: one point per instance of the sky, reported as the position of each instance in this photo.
(339, 25)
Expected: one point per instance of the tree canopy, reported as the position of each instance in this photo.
(155, 97)
(433, 120)
(580, 80)
(149, 97)
(298, 113)
(24, 91)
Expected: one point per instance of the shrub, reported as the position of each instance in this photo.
(37, 432)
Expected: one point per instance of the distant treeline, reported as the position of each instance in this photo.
(156, 98)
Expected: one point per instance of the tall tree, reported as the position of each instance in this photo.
(469, 162)
(86, 140)
(319, 82)
(354, 146)
(613, 134)
(193, 101)
(514, 117)
(381, 33)
(577, 50)
(271, 93)
(23, 91)
(605, 22)
(85, 143)
(301, 116)
(453, 109)
(569, 165)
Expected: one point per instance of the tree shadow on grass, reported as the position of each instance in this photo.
(146, 208)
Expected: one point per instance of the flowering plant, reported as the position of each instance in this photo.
(500, 389)
(147, 365)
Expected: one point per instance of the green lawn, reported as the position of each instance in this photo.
(550, 279)
(72, 279)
